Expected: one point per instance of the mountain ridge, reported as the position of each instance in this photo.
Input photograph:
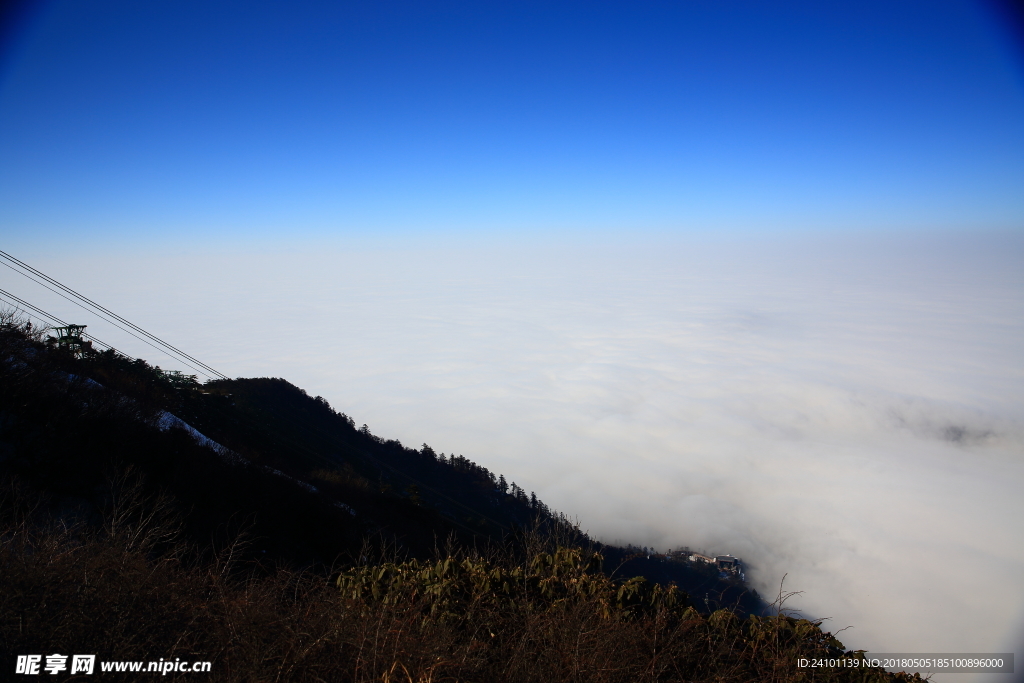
(116, 472)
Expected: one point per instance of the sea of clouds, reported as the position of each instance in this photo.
(845, 411)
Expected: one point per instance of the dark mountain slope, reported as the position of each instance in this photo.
(293, 546)
(274, 422)
(299, 478)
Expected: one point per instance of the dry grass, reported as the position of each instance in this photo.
(126, 589)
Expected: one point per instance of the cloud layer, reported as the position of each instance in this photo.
(848, 412)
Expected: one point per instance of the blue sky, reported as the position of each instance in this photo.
(161, 119)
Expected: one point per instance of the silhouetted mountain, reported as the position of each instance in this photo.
(249, 525)
(305, 483)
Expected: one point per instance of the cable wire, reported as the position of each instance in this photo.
(181, 354)
(21, 302)
(108, 312)
(129, 332)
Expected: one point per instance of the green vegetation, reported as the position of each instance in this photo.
(316, 551)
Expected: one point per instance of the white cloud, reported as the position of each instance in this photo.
(847, 411)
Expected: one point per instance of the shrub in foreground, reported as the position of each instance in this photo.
(126, 590)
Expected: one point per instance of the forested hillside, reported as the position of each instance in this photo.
(145, 515)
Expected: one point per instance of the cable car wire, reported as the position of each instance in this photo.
(163, 351)
(15, 301)
(207, 370)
